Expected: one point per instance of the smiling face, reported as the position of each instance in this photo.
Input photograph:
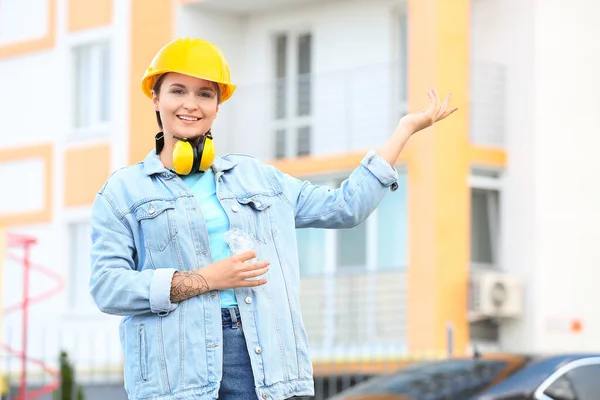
(187, 106)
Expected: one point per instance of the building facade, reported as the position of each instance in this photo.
(472, 248)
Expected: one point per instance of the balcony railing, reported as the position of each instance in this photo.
(317, 114)
(355, 315)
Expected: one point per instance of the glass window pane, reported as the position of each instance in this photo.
(105, 82)
(79, 251)
(280, 75)
(304, 141)
(83, 76)
(586, 382)
(483, 230)
(280, 143)
(304, 74)
(311, 251)
(352, 247)
(392, 229)
(561, 389)
(403, 62)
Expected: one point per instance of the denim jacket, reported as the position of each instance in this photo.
(147, 224)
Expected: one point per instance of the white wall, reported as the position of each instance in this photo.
(567, 59)
(549, 201)
(23, 20)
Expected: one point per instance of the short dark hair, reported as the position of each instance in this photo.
(156, 89)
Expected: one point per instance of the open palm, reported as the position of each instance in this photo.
(436, 111)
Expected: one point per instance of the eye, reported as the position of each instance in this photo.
(177, 91)
(206, 94)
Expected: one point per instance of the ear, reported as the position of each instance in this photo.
(155, 100)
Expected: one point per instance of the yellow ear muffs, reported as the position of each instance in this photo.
(183, 157)
(187, 158)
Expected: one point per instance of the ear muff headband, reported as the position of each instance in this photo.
(206, 149)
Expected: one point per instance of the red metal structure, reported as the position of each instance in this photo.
(24, 243)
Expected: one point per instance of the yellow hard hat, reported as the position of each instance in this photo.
(193, 57)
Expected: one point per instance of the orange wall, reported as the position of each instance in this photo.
(34, 45)
(312, 165)
(86, 170)
(438, 167)
(87, 14)
(43, 152)
(151, 28)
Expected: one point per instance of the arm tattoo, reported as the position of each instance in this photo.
(186, 284)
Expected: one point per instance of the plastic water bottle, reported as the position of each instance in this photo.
(239, 242)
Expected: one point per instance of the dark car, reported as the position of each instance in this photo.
(492, 377)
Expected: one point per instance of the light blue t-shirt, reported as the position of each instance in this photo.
(217, 223)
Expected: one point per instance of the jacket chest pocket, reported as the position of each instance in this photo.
(157, 221)
(255, 215)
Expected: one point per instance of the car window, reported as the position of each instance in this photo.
(561, 389)
(586, 381)
(448, 379)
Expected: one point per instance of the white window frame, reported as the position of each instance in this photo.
(291, 122)
(81, 39)
(490, 183)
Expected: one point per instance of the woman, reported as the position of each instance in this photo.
(199, 322)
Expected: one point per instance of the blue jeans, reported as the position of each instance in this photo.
(238, 379)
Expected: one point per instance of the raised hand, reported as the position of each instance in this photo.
(436, 111)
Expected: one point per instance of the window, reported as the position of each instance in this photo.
(311, 251)
(561, 389)
(92, 85)
(485, 218)
(79, 266)
(585, 381)
(378, 244)
(292, 95)
(484, 226)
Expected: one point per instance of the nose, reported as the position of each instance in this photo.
(190, 103)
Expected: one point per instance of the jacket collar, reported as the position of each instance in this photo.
(153, 165)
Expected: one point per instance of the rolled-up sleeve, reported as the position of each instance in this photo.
(160, 291)
(380, 168)
(116, 286)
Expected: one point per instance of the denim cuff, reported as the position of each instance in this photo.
(387, 175)
(160, 291)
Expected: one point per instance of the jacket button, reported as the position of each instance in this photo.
(257, 204)
(258, 350)
(248, 300)
(235, 209)
(265, 395)
(151, 210)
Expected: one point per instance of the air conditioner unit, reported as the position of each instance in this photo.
(494, 294)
